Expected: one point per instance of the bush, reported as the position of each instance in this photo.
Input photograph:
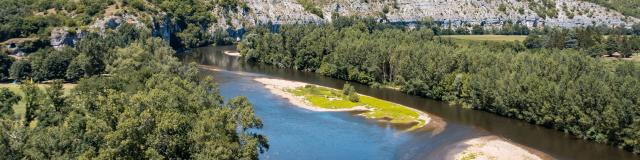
(5, 63)
(350, 92)
(20, 70)
(353, 97)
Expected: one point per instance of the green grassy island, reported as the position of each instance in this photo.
(319, 98)
(328, 98)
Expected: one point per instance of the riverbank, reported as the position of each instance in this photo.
(493, 147)
(371, 107)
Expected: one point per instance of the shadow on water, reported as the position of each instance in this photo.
(461, 123)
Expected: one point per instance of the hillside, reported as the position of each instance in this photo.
(626, 7)
(167, 18)
(563, 13)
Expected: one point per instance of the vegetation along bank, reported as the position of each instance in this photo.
(555, 78)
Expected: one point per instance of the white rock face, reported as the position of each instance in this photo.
(61, 37)
(112, 22)
(450, 12)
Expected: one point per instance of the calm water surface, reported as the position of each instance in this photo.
(296, 133)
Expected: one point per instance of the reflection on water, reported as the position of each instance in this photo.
(296, 133)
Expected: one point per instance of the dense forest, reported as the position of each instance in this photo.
(551, 79)
(128, 101)
(136, 110)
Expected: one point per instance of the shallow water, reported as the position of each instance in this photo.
(296, 133)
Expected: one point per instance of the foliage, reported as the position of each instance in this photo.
(7, 100)
(20, 70)
(5, 64)
(140, 112)
(588, 40)
(350, 92)
(24, 18)
(50, 64)
(311, 7)
(626, 7)
(562, 89)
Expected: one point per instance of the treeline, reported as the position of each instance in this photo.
(588, 40)
(129, 103)
(562, 89)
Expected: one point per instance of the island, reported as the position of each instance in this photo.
(325, 99)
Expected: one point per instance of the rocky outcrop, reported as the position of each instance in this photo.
(112, 22)
(64, 36)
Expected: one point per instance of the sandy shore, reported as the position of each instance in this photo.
(493, 148)
(278, 87)
(232, 53)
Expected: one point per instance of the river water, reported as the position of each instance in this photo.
(296, 133)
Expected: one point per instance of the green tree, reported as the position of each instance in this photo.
(477, 30)
(32, 94)
(50, 64)
(20, 70)
(5, 64)
(534, 41)
(53, 108)
(350, 92)
(7, 100)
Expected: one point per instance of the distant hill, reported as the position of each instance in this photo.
(66, 21)
(626, 7)
(562, 13)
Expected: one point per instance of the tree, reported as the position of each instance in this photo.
(613, 44)
(534, 41)
(20, 70)
(76, 69)
(350, 92)
(7, 100)
(31, 97)
(477, 30)
(5, 63)
(596, 50)
(50, 64)
(53, 108)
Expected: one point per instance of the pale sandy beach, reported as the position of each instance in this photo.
(232, 53)
(278, 86)
(493, 148)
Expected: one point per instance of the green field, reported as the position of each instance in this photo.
(487, 37)
(334, 99)
(19, 109)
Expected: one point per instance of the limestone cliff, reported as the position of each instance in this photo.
(562, 13)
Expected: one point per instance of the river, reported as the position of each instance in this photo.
(296, 133)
